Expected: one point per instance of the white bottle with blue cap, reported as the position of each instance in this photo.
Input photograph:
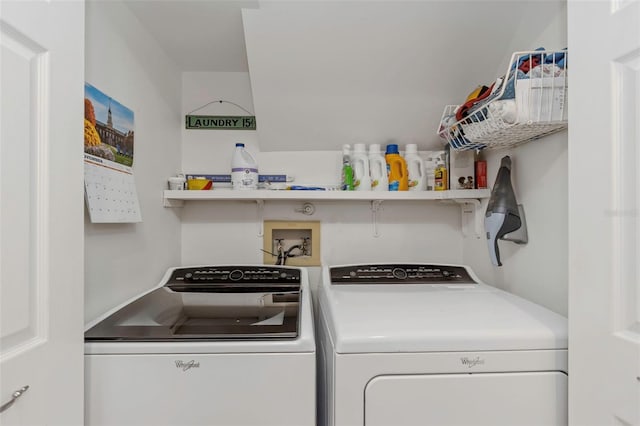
(244, 169)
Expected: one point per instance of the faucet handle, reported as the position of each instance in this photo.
(305, 246)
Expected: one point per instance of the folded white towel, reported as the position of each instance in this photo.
(504, 110)
(497, 115)
(546, 70)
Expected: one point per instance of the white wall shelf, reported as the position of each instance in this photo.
(177, 198)
(467, 199)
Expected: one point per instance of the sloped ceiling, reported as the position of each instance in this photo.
(207, 35)
(324, 74)
(370, 70)
(199, 35)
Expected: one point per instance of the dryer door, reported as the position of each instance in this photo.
(495, 399)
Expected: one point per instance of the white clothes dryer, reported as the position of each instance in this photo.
(210, 345)
(424, 344)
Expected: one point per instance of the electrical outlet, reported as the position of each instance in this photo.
(291, 243)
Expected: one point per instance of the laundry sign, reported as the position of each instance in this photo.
(221, 122)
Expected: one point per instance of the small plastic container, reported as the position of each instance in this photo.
(177, 183)
(441, 178)
(244, 169)
(397, 168)
(199, 183)
(481, 174)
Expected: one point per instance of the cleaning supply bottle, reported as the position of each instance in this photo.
(244, 169)
(441, 178)
(415, 167)
(347, 169)
(360, 164)
(377, 169)
(397, 169)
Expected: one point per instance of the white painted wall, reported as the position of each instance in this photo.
(537, 271)
(209, 151)
(422, 232)
(124, 259)
(121, 260)
(224, 232)
(284, 76)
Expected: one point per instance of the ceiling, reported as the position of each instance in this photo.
(198, 35)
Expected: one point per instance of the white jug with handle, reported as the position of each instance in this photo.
(415, 166)
(360, 164)
(378, 169)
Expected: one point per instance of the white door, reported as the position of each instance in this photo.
(41, 211)
(604, 212)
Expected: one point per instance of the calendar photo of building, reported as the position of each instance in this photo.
(108, 127)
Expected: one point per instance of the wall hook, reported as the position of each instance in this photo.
(471, 216)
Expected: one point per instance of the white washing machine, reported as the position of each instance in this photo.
(210, 345)
(423, 344)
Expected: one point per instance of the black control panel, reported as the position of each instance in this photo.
(400, 274)
(235, 274)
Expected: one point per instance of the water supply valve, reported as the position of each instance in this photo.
(307, 208)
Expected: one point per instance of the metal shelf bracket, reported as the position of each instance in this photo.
(375, 208)
(169, 202)
(260, 217)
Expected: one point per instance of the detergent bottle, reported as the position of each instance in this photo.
(415, 167)
(360, 164)
(377, 169)
(397, 168)
(347, 169)
(244, 169)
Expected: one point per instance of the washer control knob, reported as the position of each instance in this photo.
(399, 273)
(236, 275)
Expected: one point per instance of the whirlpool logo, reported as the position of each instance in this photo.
(471, 362)
(186, 366)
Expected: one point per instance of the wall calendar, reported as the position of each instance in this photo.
(110, 189)
(110, 192)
